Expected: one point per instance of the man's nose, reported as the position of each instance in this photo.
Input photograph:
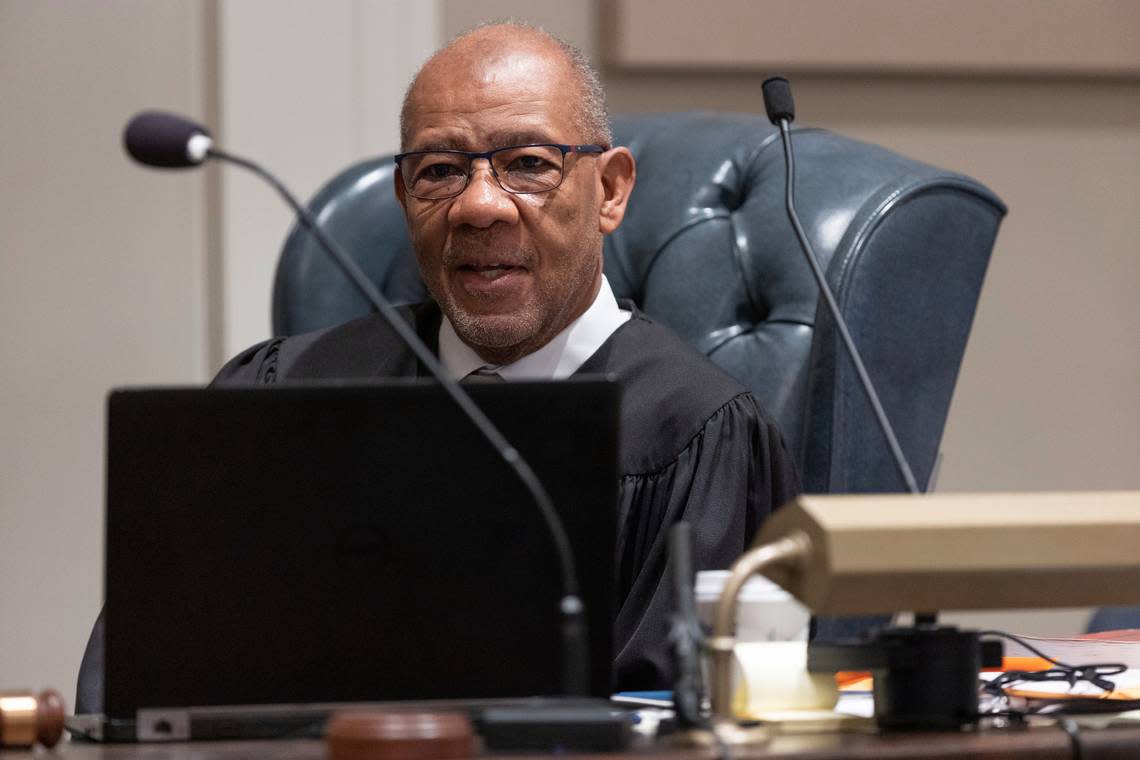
(483, 202)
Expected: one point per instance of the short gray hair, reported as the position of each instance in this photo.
(592, 118)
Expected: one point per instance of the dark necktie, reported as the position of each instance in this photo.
(483, 375)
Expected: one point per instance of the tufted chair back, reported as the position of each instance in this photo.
(707, 249)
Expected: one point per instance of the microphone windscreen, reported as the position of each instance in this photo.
(778, 99)
(161, 139)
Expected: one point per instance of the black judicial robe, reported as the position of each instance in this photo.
(694, 446)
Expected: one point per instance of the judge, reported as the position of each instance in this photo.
(509, 243)
(509, 181)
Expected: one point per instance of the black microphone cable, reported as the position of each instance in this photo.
(1095, 673)
(688, 641)
(164, 140)
(685, 631)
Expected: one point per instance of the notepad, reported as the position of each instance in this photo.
(1109, 646)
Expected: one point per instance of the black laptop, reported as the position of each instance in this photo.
(275, 551)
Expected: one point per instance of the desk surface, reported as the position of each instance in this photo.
(1036, 743)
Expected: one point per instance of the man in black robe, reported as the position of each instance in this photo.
(694, 446)
(509, 183)
(510, 247)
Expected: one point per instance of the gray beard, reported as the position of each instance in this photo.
(500, 332)
(492, 332)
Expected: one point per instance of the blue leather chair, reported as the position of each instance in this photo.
(1114, 619)
(707, 249)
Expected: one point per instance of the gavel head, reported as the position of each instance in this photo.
(26, 719)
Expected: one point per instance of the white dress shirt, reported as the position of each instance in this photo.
(558, 359)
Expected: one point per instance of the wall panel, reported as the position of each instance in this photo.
(1010, 37)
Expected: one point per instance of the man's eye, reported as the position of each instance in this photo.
(439, 172)
(530, 163)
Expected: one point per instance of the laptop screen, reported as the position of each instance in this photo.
(326, 543)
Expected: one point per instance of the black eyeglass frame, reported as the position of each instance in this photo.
(472, 155)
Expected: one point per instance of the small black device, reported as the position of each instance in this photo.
(556, 728)
(925, 676)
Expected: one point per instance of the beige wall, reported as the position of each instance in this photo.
(932, 37)
(305, 88)
(102, 282)
(116, 275)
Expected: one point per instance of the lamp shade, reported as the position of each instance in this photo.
(883, 553)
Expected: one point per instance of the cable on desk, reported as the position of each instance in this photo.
(1096, 674)
(1070, 727)
(723, 751)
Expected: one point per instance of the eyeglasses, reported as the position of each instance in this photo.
(520, 169)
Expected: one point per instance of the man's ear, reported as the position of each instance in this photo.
(617, 173)
(398, 184)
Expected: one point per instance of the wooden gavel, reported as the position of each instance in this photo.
(26, 719)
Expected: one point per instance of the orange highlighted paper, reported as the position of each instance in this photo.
(861, 680)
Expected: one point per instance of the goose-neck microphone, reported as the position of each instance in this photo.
(782, 111)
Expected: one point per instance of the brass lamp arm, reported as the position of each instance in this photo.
(792, 548)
